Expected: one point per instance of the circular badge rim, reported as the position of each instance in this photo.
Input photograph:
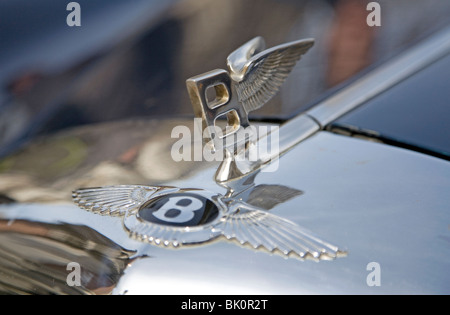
(174, 236)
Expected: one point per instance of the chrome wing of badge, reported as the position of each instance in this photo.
(255, 76)
(172, 217)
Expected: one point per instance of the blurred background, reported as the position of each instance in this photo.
(131, 58)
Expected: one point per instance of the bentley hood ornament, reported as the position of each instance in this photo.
(174, 217)
(255, 75)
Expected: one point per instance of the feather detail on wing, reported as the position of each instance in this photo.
(260, 229)
(262, 76)
(113, 200)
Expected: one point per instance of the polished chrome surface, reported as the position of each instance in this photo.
(34, 257)
(378, 219)
(382, 78)
(357, 193)
(392, 208)
(255, 77)
(238, 60)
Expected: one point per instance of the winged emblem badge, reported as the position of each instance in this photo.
(173, 217)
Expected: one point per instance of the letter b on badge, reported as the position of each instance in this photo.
(185, 206)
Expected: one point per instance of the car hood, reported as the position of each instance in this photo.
(382, 204)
